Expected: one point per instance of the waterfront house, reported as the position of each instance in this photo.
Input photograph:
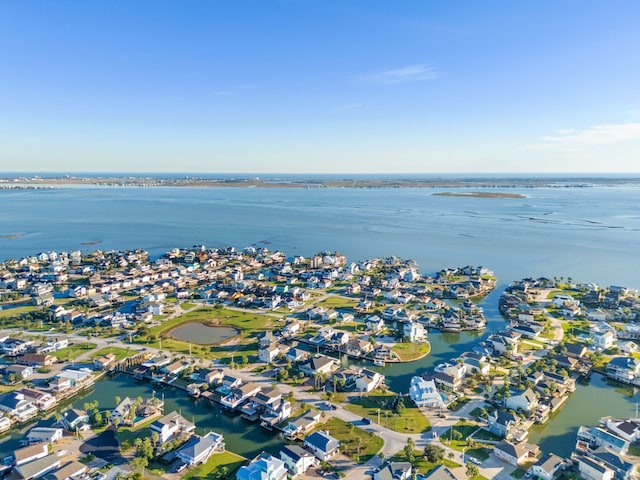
(263, 467)
(239, 395)
(591, 438)
(37, 468)
(444, 380)
(318, 365)
(547, 467)
(424, 393)
(104, 362)
(524, 400)
(625, 429)
(623, 468)
(44, 434)
(295, 355)
(16, 405)
(198, 449)
(514, 454)
(43, 400)
(358, 347)
(60, 385)
(624, 369)
(414, 332)
(297, 460)
(171, 426)
(30, 453)
(506, 425)
(301, 425)
(322, 445)
(593, 470)
(393, 471)
(575, 350)
(175, 368)
(78, 378)
(157, 362)
(368, 380)
(69, 471)
(5, 423)
(604, 340)
(74, 419)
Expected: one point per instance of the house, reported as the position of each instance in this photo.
(175, 368)
(593, 470)
(625, 429)
(74, 419)
(513, 454)
(230, 382)
(322, 445)
(104, 362)
(439, 473)
(424, 393)
(239, 395)
(596, 437)
(623, 369)
(37, 360)
(524, 400)
(30, 453)
(547, 467)
(627, 346)
(295, 355)
(393, 471)
(575, 350)
(506, 425)
(5, 423)
(122, 413)
(444, 380)
(69, 471)
(369, 380)
(318, 365)
(375, 324)
(16, 405)
(78, 378)
(198, 449)
(604, 340)
(414, 332)
(269, 353)
(37, 468)
(301, 425)
(297, 460)
(171, 426)
(19, 371)
(623, 468)
(44, 434)
(263, 467)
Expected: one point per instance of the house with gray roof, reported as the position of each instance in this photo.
(297, 460)
(322, 445)
(393, 471)
(198, 449)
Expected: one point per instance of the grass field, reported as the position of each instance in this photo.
(219, 466)
(411, 351)
(120, 353)
(357, 443)
(411, 420)
(73, 351)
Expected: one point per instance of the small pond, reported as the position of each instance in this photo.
(202, 334)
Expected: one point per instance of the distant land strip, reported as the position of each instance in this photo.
(141, 180)
(480, 194)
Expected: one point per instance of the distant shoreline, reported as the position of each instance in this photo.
(480, 194)
(315, 181)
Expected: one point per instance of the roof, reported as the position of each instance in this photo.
(71, 469)
(593, 464)
(511, 449)
(550, 463)
(611, 459)
(170, 419)
(30, 451)
(38, 467)
(197, 445)
(393, 470)
(322, 441)
(440, 473)
(295, 452)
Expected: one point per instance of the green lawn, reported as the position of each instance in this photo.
(464, 429)
(17, 311)
(338, 303)
(73, 351)
(458, 404)
(411, 351)
(219, 466)
(358, 444)
(411, 420)
(483, 434)
(120, 353)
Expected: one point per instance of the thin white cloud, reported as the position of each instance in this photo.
(350, 106)
(592, 136)
(412, 73)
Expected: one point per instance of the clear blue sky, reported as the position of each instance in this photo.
(320, 86)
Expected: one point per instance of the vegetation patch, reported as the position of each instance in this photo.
(358, 444)
(120, 353)
(396, 412)
(219, 466)
(408, 351)
(73, 351)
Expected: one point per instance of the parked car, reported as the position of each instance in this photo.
(366, 420)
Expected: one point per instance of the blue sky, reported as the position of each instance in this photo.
(320, 86)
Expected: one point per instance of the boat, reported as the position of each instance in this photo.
(379, 363)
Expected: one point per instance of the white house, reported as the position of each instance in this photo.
(198, 449)
(297, 460)
(263, 467)
(368, 380)
(415, 332)
(524, 400)
(170, 426)
(547, 467)
(593, 470)
(424, 393)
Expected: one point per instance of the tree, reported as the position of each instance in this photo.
(433, 453)
(472, 469)
(139, 463)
